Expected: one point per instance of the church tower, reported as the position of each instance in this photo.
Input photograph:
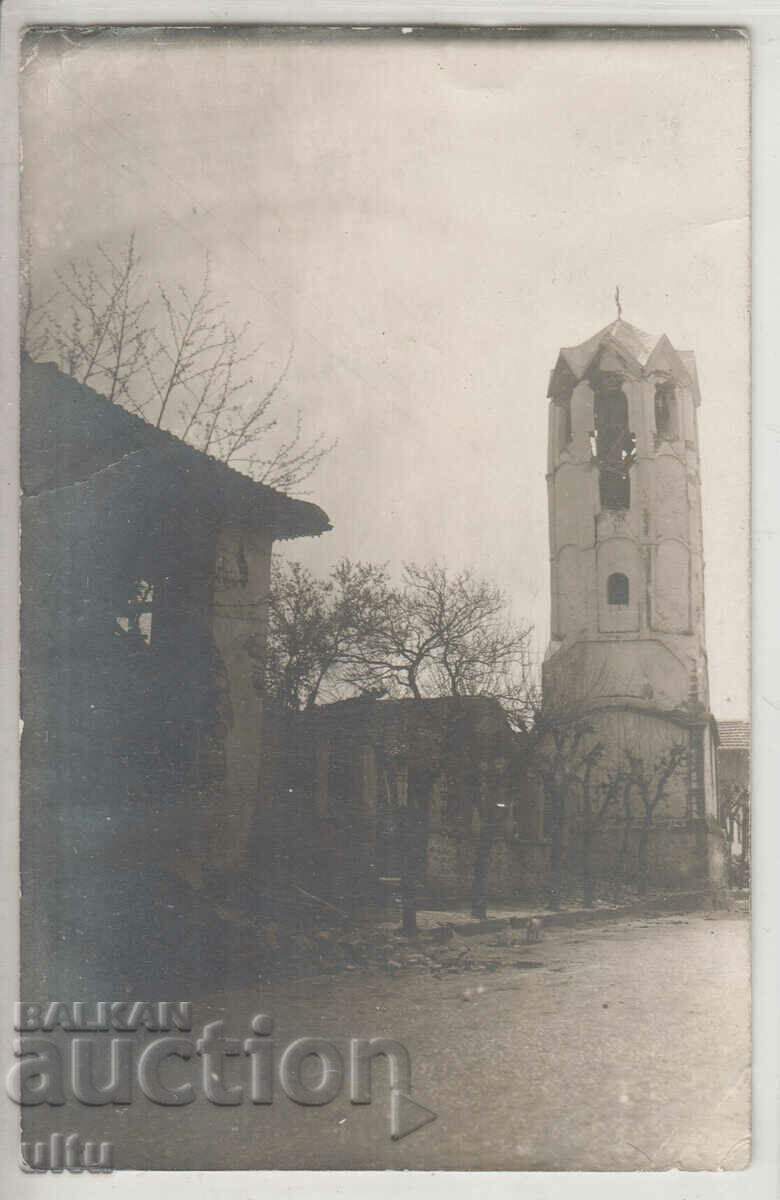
(626, 563)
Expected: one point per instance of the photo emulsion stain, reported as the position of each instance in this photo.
(385, 789)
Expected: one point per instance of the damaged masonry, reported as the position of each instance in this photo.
(145, 571)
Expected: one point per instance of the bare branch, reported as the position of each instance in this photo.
(177, 361)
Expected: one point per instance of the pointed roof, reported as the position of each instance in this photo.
(645, 352)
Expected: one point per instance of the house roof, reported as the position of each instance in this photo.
(734, 735)
(643, 353)
(421, 724)
(70, 432)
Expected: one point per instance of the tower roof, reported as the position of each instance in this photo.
(643, 353)
(734, 735)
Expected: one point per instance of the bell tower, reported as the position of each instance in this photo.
(626, 565)
(627, 640)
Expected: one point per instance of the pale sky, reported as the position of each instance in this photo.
(428, 221)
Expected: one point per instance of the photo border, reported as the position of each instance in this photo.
(762, 23)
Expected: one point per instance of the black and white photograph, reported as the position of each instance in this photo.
(384, 404)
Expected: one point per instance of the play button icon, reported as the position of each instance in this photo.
(406, 1115)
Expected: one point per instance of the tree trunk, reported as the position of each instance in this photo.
(587, 838)
(413, 819)
(556, 860)
(644, 836)
(481, 867)
(587, 869)
(409, 909)
(620, 866)
(408, 872)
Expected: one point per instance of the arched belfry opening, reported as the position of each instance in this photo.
(665, 411)
(613, 442)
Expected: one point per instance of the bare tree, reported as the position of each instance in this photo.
(650, 778)
(354, 633)
(33, 336)
(95, 324)
(173, 357)
(488, 834)
(563, 759)
(575, 773)
(597, 802)
(445, 634)
(315, 629)
(406, 796)
(734, 804)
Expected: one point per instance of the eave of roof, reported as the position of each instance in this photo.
(287, 517)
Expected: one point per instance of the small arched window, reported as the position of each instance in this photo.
(617, 589)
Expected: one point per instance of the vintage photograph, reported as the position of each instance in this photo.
(385, 599)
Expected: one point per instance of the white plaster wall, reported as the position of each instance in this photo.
(581, 420)
(635, 391)
(645, 670)
(671, 513)
(710, 776)
(574, 576)
(570, 499)
(671, 587)
(650, 738)
(687, 415)
(552, 435)
(619, 555)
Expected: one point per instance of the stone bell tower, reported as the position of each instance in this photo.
(626, 563)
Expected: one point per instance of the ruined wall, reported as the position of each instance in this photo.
(361, 765)
(684, 843)
(144, 570)
(517, 870)
(239, 614)
(682, 857)
(113, 706)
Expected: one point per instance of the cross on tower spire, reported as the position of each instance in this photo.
(617, 302)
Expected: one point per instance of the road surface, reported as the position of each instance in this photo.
(622, 1046)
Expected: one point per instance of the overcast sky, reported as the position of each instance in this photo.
(427, 221)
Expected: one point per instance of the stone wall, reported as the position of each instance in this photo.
(682, 857)
(517, 870)
(354, 768)
(239, 614)
(359, 767)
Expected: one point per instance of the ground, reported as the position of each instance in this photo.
(623, 1046)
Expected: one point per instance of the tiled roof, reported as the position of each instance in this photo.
(734, 735)
(69, 432)
(638, 344)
